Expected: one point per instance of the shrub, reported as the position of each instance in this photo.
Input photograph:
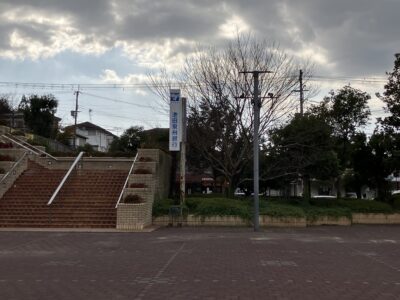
(313, 213)
(18, 133)
(2, 171)
(137, 185)
(146, 159)
(161, 207)
(218, 207)
(276, 209)
(133, 199)
(142, 171)
(324, 202)
(5, 145)
(5, 158)
(365, 206)
(396, 202)
(200, 195)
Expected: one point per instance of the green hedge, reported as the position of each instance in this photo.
(366, 206)
(219, 207)
(396, 202)
(161, 207)
(275, 209)
(244, 207)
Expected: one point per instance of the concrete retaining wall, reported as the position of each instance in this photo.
(376, 218)
(267, 221)
(342, 221)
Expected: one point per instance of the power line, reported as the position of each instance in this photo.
(83, 86)
(118, 101)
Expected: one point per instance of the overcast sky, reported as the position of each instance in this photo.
(120, 41)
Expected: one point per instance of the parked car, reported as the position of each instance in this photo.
(395, 192)
(323, 197)
(351, 195)
(239, 193)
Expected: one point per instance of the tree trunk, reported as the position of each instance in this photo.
(306, 187)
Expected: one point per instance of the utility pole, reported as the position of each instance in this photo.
(301, 91)
(76, 115)
(256, 144)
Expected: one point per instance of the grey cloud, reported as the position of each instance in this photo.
(359, 36)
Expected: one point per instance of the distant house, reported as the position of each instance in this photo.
(94, 135)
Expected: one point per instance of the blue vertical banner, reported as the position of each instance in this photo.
(175, 120)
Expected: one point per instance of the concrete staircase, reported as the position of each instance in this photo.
(24, 204)
(87, 200)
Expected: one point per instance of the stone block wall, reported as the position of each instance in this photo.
(134, 216)
(376, 218)
(326, 220)
(138, 216)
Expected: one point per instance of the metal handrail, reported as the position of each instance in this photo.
(126, 181)
(13, 167)
(16, 140)
(77, 159)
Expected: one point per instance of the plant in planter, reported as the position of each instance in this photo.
(145, 159)
(137, 186)
(18, 133)
(5, 158)
(133, 199)
(5, 145)
(142, 171)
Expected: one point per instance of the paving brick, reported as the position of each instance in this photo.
(359, 262)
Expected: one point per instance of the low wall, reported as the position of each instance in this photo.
(326, 220)
(192, 220)
(267, 221)
(282, 221)
(9, 181)
(87, 163)
(376, 218)
(15, 154)
(133, 216)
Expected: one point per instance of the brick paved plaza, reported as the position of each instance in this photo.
(358, 262)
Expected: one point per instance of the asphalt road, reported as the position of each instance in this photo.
(358, 262)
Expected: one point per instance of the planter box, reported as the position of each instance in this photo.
(134, 216)
(145, 193)
(326, 220)
(359, 218)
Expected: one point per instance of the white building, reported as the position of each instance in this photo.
(96, 136)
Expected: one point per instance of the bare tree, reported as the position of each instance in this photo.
(220, 121)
